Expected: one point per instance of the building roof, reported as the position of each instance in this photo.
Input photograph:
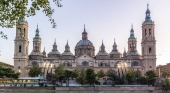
(84, 43)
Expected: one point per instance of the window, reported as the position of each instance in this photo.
(135, 63)
(34, 63)
(24, 32)
(145, 33)
(19, 48)
(84, 51)
(85, 63)
(149, 32)
(18, 67)
(150, 66)
(150, 50)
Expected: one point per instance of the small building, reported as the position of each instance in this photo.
(161, 68)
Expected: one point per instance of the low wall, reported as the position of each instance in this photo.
(98, 89)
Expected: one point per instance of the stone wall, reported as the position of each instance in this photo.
(139, 89)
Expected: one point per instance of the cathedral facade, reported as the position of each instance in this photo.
(84, 54)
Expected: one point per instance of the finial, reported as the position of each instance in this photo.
(44, 49)
(147, 5)
(55, 41)
(84, 28)
(37, 25)
(102, 43)
(132, 25)
(67, 41)
(114, 41)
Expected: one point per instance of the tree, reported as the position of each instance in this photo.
(130, 76)
(34, 71)
(14, 10)
(165, 84)
(151, 77)
(165, 74)
(6, 72)
(52, 77)
(112, 74)
(82, 77)
(90, 76)
(137, 75)
(75, 73)
(59, 71)
(142, 80)
(67, 75)
(101, 74)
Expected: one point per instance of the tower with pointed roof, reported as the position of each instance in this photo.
(131, 38)
(148, 43)
(21, 44)
(115, 53)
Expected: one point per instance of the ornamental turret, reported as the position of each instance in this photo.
(132, 38)
(84, 34)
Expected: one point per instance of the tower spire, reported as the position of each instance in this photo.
(147, 5)
(37, 32)
(84, 28)
(148, 17)
(102, 43)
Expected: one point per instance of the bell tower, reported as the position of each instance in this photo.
(148, 43)
(21, 44)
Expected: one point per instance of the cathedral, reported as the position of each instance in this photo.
(84, 54)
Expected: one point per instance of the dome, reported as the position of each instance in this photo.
(84, 43)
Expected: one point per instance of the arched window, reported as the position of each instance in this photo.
(150, 50)
(135, 63)
(85, 63)
(34, 63)
(145, 33)
(19, 48)
(24, 32)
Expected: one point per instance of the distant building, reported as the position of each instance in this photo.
(7, 65)
(85, 52)
(161, 68)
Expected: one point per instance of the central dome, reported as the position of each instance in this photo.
(84, 43)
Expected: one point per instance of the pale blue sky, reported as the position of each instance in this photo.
(104, 19)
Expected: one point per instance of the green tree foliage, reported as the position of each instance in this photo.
(112, 74)
(67, 75)
(75, 73)
(165, 74)
(101, 74)
(138, 74)
(59, 71)
(8, 72)
(34, 71)
(11, 11)
(130, 76)
(142, 80)
(151, 77)
(52, 77)
(82, 77)
(165, 84)
(90, 76)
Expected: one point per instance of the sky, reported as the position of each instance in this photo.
(104, 19)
